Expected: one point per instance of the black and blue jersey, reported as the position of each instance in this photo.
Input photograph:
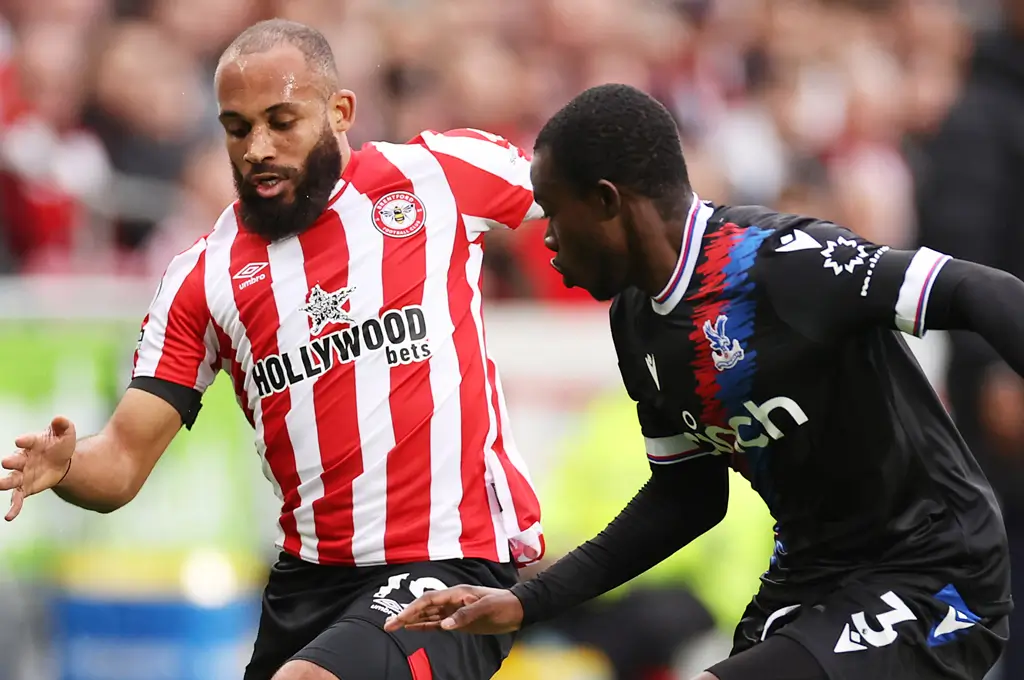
(776, 349)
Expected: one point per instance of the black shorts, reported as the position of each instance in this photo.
(333, 617)
(873, 628)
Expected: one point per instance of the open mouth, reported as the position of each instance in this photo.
(558, 268)
(269, 186)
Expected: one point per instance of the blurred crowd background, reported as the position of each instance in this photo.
(901, 119)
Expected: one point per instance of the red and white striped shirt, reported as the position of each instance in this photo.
(357, 351)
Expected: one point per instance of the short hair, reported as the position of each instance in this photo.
(266, 35)
(620, 134)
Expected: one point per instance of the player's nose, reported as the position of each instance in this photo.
(261, 147)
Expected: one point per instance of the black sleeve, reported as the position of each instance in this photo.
(825, 282)
(987, 301)
(676, 505)
(186, 400)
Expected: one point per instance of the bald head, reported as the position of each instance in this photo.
(266, 35)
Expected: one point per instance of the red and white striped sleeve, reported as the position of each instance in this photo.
(489, 176)
(178, 341)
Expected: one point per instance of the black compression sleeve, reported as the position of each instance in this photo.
(987, 301)
(186, 400)
(679, 503)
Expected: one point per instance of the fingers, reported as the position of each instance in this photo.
(464, 617)
(60, 426)
(11, 481)
(15, 461)
(26, 441)
(17, 501)
(431, 607)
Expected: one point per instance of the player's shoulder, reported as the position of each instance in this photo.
(777, 232)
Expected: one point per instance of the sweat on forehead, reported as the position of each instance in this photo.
(267, 35)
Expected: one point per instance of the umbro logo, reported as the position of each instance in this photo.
(250, 274)
(250, 270)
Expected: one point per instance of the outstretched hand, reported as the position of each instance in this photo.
(470, 609)
(40, 463)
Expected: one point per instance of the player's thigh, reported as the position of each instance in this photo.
(297, 606)
(888, 629)
(777, 658)
(351, 649)
(447, 655)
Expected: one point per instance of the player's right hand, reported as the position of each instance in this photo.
(40, 463)
(470, 609)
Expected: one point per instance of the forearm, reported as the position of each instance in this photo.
(984, 300)
(657, 522)
(103, 476)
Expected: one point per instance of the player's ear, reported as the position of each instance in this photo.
(609, 199)
(341, 110)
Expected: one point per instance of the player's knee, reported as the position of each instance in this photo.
(303, 670)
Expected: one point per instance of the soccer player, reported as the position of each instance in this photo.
(341, 295)
(770, 343)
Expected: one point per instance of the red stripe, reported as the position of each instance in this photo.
(403, 274)
(478, 538)
(481, 193)
(257, 311)
(184, 348)
(419, 664)
(325, 251)
(527, 506)
(708, 305)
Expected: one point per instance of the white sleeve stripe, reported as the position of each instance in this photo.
(154, 333)
(669, 449)
(912, 303)
(678, 458)
(487, 156)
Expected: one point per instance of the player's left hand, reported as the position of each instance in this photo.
(470, 609)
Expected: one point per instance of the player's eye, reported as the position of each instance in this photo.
(238, 131)
(282, 125)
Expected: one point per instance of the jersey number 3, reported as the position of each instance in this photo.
(853, 637)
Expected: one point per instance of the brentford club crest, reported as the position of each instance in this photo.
(399, 214)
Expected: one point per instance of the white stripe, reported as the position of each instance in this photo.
(664, 447)
(287, 267)
(155, 331)
(495, 472)
(695, 238)
(490, 157)
(429, 183)
(673, 461)
(917, 287)
(221, 299)
(207, 373)
(373, 380)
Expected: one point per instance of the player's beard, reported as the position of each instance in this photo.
(278, 217)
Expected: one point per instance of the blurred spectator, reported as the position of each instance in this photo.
(51, 169)
(970, 204)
